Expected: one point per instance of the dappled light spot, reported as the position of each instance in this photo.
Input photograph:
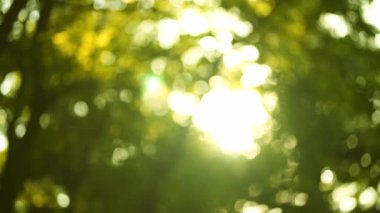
(20, 130)
(327, 177)
(11, 83)
(370, 12)
(148, 149)
(144, 33)
(376, 101)
(168, 32)
(275, 210)
(193, 22)
(125, 96)
(207, 3)
(254, 190)
(17, 30)
(300, 199)
(242, 28)
(182, 103)
(283, 196)
(147, 4)
(374, 171)
(208, 43)
(360, 80)
(343, 197)
(365, 160)
(119, 155)
(347, 204)
(110, 5)
(224, 39)
(376, 41)
(181, 81)
(80, 109)
(255, 75)
(3, 118)
(239, 55)
(354, 169)
(5, 5)
(261, 7)
(107, 58)
(375, 117)
(63, 42)
(352, 141)
(100, 101)
(368, 198)
(45, 120)
(335, 24)
(255, 209)
(290, 142)
(158, 65)
(63, 200)
(182, 120)
(361, 121)
(21, 206)
(378, 188)
(245, 206)
(3, 142)
(31, 23)
(249, 53)
(192, 56)
(200, 87)
(103, 39)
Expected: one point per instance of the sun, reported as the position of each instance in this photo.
(233, 119)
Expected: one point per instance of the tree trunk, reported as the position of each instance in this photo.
(19, 156)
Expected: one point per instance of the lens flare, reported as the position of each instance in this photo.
(232, 118)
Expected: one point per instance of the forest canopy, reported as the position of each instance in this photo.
(215, 106)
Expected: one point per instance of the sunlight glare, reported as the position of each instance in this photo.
(230, 117)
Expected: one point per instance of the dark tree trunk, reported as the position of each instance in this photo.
(17, 166)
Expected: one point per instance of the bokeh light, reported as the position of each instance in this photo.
(371, 13)
(80, 109)
(3, 142)
(335, 24)
(368, 198)
(327, 177)
(11, 83)
(63, 200)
